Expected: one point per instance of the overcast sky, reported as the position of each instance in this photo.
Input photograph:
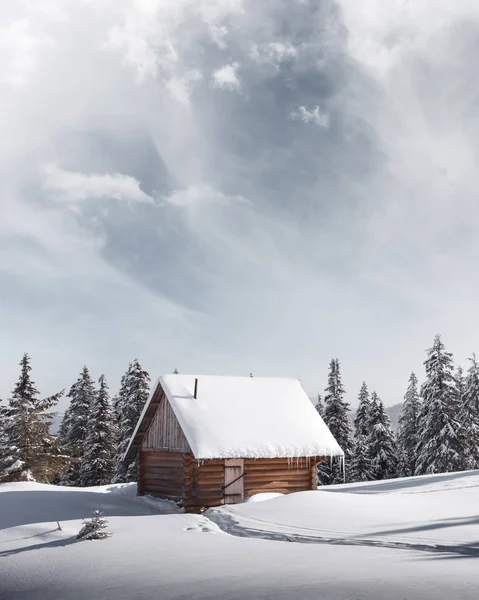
(226, 186)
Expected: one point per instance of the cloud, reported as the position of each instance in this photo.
(146, 213)
(227, 77)
(19, 47)
(273, 52)
(315, 115)
(71, 186)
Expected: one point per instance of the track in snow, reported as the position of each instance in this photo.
(229, 525)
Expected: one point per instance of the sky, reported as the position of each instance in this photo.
(234, 186)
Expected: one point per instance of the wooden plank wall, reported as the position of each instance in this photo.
(162, 474)
(280, 475)
(164, 432)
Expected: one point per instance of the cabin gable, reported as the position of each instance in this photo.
(164, 432)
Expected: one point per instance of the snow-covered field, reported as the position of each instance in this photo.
(412, 538)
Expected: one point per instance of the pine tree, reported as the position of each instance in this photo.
(470, 415)
(33, 453)
(382, 446)
(319, 406)
(324, 471)
(439, 448)
(97, 463)
(133, 394)
(360, 465)
(408, 429)
(76, 423)
(5, 453)
(94, 529)
(336, 416)
(361, 421)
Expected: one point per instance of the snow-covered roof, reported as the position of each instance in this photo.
(246, 417)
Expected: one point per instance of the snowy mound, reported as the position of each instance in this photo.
(434, 510)
(381, 541)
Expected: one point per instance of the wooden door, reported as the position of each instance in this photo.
(234, 480)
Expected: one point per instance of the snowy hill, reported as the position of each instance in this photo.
(387, 540)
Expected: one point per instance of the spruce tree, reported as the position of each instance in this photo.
(360, 466)
(5, 453)
(439, 448)
(361, 421)
(336, 416)
(133, 394)
(323, 467)
(319, 406)
(97, 463)
(470, 415)
(408, 429)
(76, 423)
(382, 446)
(33, 453)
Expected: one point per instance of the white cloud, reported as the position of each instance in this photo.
(20, 46)
(227, 77)
(273, 52)
(376, 224)
(195, 196)
(72, 186)
(314, 115)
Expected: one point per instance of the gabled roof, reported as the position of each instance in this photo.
(241, 417)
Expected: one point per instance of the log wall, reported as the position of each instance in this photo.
(162, 474)
(196, 484)
(280, 475)
(205, 482)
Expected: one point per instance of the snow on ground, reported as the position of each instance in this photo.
(435, 513)
(416, 538)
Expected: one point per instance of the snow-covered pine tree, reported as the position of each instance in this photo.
(470, 415)
(361, 421)
(408, 429)
(324, 473)
(336, 416)
(94, 529)
(319, 406)
(5, 453)
(382, 447)
(133, 394)
(439, 448)
(360, 466)
(33, 453)
(97, 463)
(462, 433)
(76, 423)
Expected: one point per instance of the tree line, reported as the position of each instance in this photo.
(438, 428)
(93, 435)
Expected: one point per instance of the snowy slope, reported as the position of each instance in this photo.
(436, 513)
(415, 538)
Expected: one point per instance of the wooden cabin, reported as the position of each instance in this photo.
(204, 441)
